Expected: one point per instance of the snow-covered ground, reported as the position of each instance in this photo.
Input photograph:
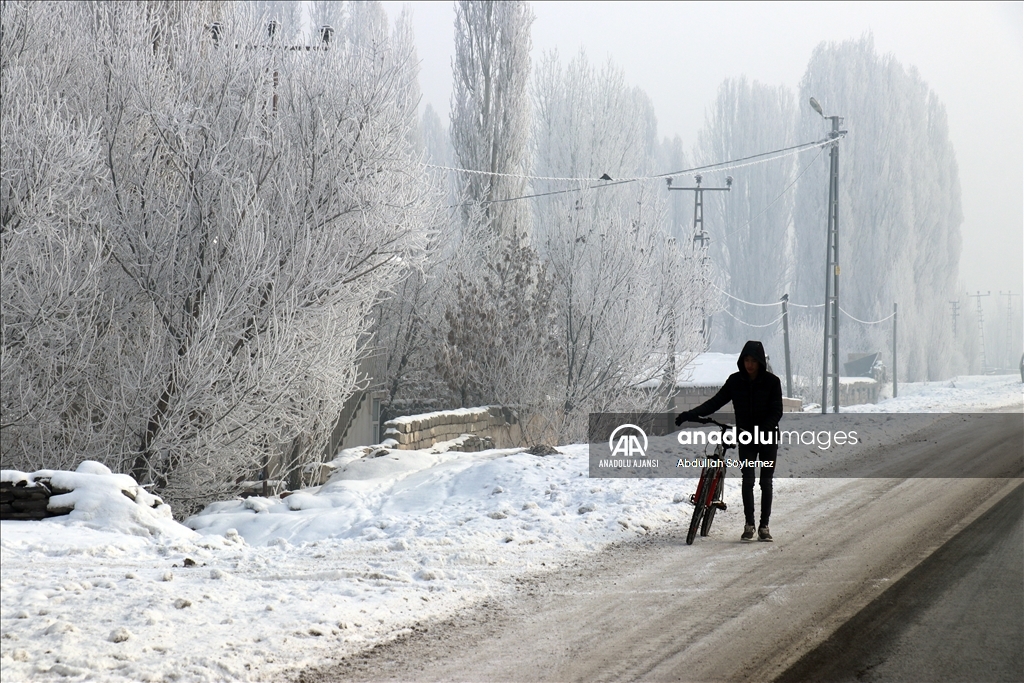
(978, 393)
(263, 587)
(390, 541)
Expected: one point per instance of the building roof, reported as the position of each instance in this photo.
(707, 370)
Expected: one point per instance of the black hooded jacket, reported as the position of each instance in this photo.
(755, 402)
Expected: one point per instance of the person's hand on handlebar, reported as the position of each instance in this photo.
(685, 416)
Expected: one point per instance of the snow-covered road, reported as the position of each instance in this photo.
(719, 610)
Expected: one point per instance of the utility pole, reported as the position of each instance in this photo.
(956, 312)
(700, 235)
(831, 335)
(981, 327)
(894, 387)
(785, 343)
(1009, 326)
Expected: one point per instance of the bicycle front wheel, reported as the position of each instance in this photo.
(709, 512)
(698, 510)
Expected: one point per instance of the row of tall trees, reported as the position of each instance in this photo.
(556, 298)
(899, 201)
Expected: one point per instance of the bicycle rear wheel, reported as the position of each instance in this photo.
(698, 510)
(709, 512)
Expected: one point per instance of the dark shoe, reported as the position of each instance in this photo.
(748, 532)
(764, 535)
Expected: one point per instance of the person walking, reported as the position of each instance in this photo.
(756, 396)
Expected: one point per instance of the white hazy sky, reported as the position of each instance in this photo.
(970, 54)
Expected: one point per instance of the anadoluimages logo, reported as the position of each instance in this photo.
(628, 445)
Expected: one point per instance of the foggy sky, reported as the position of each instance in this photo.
(970, 54)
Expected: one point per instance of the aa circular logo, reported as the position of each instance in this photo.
(629, 441)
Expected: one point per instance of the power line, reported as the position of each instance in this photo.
(866, 322)
(779, 303)
(742, 162)
(749, 303)
(781, 195)
(721, 165)
(774, 303)
(744, 322)
(752, 159)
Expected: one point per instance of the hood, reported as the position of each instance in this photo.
(756, 349)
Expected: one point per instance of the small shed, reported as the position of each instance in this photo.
(701, 378)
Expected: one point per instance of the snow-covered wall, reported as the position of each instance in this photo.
(422, 431)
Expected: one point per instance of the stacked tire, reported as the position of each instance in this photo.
(20, 500)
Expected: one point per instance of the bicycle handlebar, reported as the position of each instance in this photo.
(710, 421)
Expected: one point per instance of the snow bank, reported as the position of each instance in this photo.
(421, 496)
(970, 393)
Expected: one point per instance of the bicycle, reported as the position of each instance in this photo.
(711, 487)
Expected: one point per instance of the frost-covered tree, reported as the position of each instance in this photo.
(436, 145)
(672, 158)
(492, 282)
(899, 202)
(56, 313)
(627, 299)
(749, 225)
(490, 111)
(251, 204)
(504, 351)
(589, 122)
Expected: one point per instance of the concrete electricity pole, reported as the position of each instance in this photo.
(831, 269)
(785, 341)
(700, 236)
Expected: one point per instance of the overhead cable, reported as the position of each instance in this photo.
(781, 195)
(761, 158)
(744, 322)
(749, 303)
(866, 322)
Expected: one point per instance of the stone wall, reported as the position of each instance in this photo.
(486, 427)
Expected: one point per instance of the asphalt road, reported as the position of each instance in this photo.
(723, 610)
(957, 616)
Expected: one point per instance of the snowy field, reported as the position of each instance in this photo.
(980, 393)
(258, 589)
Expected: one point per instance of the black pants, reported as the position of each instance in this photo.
(757, 453)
